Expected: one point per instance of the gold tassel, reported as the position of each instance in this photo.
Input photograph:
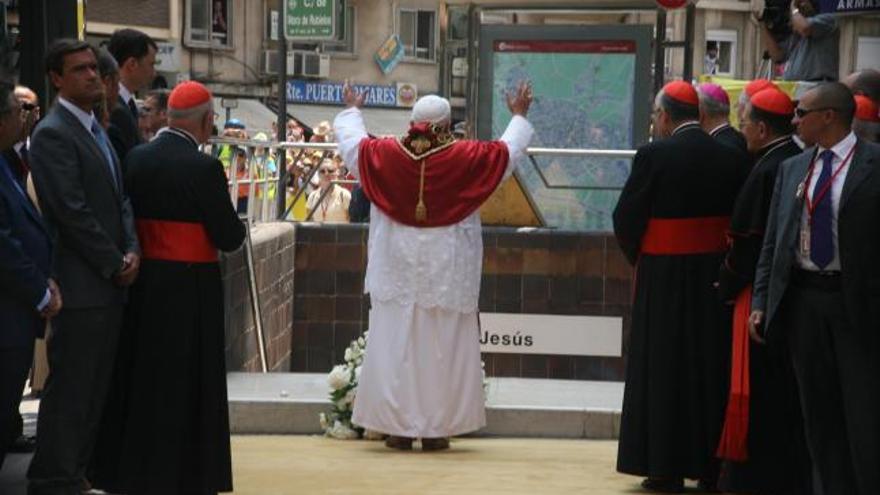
(421, 210)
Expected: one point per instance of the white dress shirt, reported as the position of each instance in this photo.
(429, 267)
(840, 150)
(125, 94)
(86, 119)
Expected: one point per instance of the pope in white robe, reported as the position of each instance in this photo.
(422, 376)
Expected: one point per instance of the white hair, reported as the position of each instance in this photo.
(194, 113)
(432, 109)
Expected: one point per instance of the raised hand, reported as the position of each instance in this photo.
(351, 97)
(519, 101)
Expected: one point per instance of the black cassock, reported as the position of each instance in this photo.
(678, 352)
(731, 137)
(167, 427)
(778, 461)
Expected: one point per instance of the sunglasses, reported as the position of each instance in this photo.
(325, 171)
(803, 112)
(28, 107)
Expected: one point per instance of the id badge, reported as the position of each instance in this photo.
(805, 242)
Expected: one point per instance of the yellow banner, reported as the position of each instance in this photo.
(735, 87)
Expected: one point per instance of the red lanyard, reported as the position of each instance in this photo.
(818, 195)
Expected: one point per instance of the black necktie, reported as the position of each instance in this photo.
(133, 108)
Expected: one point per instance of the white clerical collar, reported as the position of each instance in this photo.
(718, 129)
(86, 119)
(180, 132)
(124, 93)
(686, 124)
(843, 147)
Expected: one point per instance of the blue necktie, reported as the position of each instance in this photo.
(821, 237)
(101, 138)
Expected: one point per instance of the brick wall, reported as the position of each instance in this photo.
(546, 272)
(152, 13)
(273, 247)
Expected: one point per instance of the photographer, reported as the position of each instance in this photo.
(810, 49)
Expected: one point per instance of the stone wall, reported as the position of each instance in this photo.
(541, 271)
(273, 247)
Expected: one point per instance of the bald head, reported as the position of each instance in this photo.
(836, 96)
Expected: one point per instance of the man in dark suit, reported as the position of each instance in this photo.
(670, 222)
(27, 294)
(79, 185)
(135, 52)
(16, 157)
(817, 288)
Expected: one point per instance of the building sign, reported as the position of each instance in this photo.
(848, 6)
(551, 334)
(330, 93)
(167, 57)
(389, 54)
(310, 20)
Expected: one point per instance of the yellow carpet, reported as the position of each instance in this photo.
(268, 465)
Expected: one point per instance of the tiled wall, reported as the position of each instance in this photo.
(273, 248)
(540, 272)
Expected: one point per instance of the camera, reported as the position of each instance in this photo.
(777, 18)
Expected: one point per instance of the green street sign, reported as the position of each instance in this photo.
(310, 20)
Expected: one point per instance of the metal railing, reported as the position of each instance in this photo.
(262, 180)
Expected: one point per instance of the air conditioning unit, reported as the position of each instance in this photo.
(309, 64)
(270, 62)
(299, 63)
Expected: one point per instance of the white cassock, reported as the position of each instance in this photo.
(421, 376)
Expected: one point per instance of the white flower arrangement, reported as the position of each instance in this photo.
(343, 381)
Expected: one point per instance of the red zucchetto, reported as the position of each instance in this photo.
(757, 85)
(866, 109)
(773, 101)
(188, 95)
(682, 92)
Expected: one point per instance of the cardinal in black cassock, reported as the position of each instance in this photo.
(671, 222)
(762, 442)
(174, 426)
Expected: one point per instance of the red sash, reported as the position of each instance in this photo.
(186, 242)
(734, 437)
(671, 236)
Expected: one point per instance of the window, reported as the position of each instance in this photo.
(209, 23)
(346, 23)
(720, 56)
(417, 33)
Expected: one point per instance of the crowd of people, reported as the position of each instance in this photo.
(754, 361)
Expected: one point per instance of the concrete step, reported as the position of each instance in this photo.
(289, 403)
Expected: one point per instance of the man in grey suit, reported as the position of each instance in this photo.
(79, 184)
(817, 289)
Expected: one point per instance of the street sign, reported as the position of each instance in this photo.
(310, 20)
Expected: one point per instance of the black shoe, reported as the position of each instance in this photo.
(399, 443)
(661, 485)
(24, 444)
(708, 486)
(431, 444)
